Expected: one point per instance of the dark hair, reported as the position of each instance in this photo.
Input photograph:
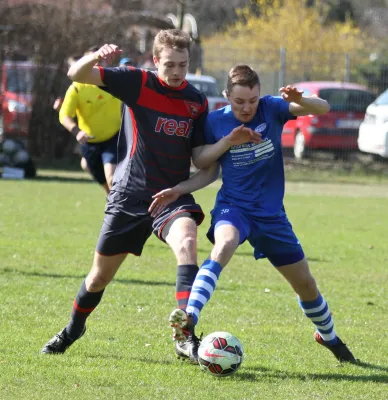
(171, 38)
(242, 75)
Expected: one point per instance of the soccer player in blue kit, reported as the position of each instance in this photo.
(162, 130)
(249, 205)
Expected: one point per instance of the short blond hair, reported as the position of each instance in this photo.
(171, 38)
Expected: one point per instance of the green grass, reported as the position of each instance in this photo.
(48, 230)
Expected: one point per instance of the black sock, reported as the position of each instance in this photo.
(84, 303)
(185, 277)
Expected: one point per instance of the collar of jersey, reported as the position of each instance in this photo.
(182, 85)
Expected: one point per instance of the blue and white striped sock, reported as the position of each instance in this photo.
(319, 314)
(203, 287)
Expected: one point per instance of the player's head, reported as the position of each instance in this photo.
(243, 92)
(171, 55)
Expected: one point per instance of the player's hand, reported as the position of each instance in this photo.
(162, 200)
(242, 134)
(291, 94)
(57, 103)
(82, 137)
(108, 53)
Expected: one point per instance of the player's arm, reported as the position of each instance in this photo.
(67, 114)
(199, 180)
(204, 156)
(85, 69)
(300, 105)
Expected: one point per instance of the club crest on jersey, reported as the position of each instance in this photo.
(193, 108)
(261, 128)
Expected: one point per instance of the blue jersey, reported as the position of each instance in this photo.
(252, 174)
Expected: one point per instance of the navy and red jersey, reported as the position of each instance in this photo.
(160, 127)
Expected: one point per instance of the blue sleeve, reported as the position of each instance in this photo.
(122, 82)
(281, 109)
(209, 132)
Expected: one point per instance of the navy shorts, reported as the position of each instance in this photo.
(99, 154)
(270, 237)
(127, 223)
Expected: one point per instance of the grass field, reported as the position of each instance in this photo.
(48, 230)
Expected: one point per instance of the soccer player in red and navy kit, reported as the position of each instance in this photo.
(161, 132)
(249, 205)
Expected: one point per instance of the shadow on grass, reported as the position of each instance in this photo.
(274, 375)
(56, 178)
(61, 276)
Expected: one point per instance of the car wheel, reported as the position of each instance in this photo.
(299, 146)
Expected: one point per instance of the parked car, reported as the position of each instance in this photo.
(334, 132)
(15, 99)
(373, 132)
(208, 85)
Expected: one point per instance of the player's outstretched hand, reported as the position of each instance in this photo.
(242, 134)
(108, 53)
(291, 94)
(162, 200)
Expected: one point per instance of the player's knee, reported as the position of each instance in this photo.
(224, 249)
(227, 245)
(96, 283)
(188, 245)
(306, 286)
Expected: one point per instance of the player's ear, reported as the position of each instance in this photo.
(156, 61)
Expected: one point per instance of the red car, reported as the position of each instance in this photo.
(336, 131)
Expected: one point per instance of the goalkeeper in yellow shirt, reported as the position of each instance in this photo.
(99, 118)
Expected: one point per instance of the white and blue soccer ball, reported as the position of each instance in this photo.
(220, 354)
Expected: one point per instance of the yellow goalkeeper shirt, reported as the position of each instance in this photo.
(98, 112)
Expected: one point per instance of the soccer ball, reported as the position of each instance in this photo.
(220, 354)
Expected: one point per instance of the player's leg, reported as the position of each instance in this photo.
(229, 228)
(177, 226)
(285, 252)
(226, 240)
(315, 308)
(84, 165)
(109, 170)
(109, 159)
(182, 238)
(122, 232)
(87, 299)
(92, 154)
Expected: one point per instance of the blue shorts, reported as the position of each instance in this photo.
(270, 237)
(99, 154)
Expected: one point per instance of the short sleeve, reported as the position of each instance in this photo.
(70, 103)
(123, 82)
(209, 135)
(198, 138)
(281, 108)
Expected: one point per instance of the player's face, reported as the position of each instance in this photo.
(172, 66)
(244, 102)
